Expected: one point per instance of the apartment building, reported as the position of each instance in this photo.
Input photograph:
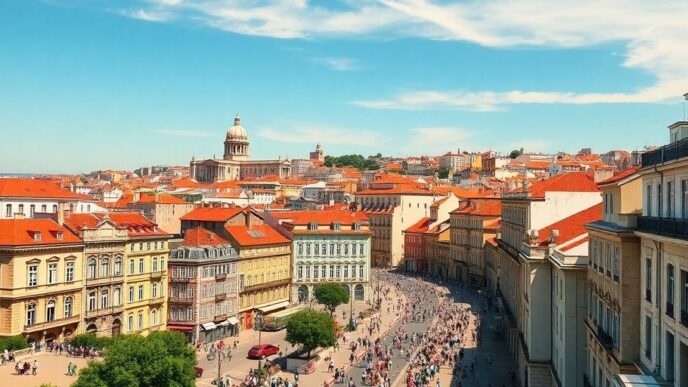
(663, 232)
(40, 280)
(204, 287)
(30, 197)
(613, 313)
(393, 203)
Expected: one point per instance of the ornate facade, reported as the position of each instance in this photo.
(235, 164)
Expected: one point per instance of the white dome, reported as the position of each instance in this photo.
(236, 131)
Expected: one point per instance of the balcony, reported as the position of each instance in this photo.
(104, 280)
(180, 300)
(684, 318)
(670, 309)
(155, 275)
(180, 280)
(156, 300)
(220, 296)
(51, 324)
(669, 227)
(104, 311)
(220, 277)
(605, 340)
(667, 153)
(648, 295)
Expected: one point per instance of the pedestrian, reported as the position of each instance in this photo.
(34, 367)
(69, 369)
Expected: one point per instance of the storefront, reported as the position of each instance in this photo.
(187, 330)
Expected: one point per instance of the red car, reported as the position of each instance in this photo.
(199, 371)
(262, 351)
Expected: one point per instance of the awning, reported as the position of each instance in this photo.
(233, 320)
(270, 308)
(208, 326)
(180, 327)
(222, 324)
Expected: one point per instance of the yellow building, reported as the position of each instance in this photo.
(40, 280)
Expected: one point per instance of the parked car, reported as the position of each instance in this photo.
(199, 371)
(262, 351)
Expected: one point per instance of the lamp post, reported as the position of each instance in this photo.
(221, 355)
(351, 311)
(259, 325)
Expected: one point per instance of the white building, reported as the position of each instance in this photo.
(30, 197)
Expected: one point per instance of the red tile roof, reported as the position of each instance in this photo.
(23, 232)
(565, 182)
(135, 223)
(302, 218)
(160, 199)
(571, 227)
(38, 189)
(213, 214)
(620, 175)
(420, 226)
(196, 237)
(492, 208)
(257, 235)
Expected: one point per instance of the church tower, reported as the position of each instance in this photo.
(318, 154)
(236, 143)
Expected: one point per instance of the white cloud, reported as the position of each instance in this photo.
(654, 34)
(184, 133)
(338, 64)
(325, 135)
(149, 15)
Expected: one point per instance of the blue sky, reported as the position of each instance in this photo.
(89, 84)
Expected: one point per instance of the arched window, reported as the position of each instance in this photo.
(118, 266)
(91, 301)
(140, 321)
(50, 311)
(155, 263)
(92, 268)
(31, 314)
(154, 317)
(104, 267)
(104, 299)
(154, 290)
(68, 307)
(117, 297)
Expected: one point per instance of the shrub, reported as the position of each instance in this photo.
(13, 343)
(88, 340)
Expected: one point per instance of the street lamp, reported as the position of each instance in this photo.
(259, 325)
(221, 355)
(351, 312)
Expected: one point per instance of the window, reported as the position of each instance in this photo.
(312, 226)
(140, 292)
(360, 271)
(54, 208)
(648, 337)
(154, 290)
(118, 266)
(360, 249)
(8, 210)
(684, 297)
(323, 271)
(68, 307)
(52, 273)
(91, 301)
(131, 294)
(131, 265)
(671, 200)
(33, 275)
(50, 311)
(684, 198)
(104, 299)
(162, 263)
(154, 317)
(648, 279)
(117, 297)
(331, 271)
(338, 271)
(648, 200)
(69, 272)
(44, 208)
(92, 268)
(299, 272)
(21, 209)
(104, 267)
(308, 272)
(140, 320)
(155, 264)
(315, 271)
(670, 290)
(140, 265)
(130, 322)
(660, 210)
(31, 314)
(32, 210)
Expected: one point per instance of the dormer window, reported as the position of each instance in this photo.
(37, 236)
(312, 226)
(336, 226)
(357, 226)
(58, 235)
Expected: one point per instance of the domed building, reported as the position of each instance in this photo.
(235, 164)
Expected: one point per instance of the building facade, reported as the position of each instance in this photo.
(204, 287)
(235, 164)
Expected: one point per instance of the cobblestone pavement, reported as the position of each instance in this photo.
(52, 368)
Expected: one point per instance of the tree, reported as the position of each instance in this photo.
(160, 359)
(331, 296)
(13, 343)
(90, 340)
(515, 153)
(311, 329)
(443, 172)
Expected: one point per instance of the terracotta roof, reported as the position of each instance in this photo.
(399, 189)
(199, 236)
(78, 222)
(213, 214)
(439, 202)
(565, 182)
(571, 227)
(620, 175)
(33, 188)
(137, 225)
(257, 235)
(493, 208)
(160, 199)
(322, 217)
(24, 232)
(463, 193)
(575, 244)
(420, 226)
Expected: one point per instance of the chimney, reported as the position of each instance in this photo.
(249, 221)
(137, 196)
(60, 214)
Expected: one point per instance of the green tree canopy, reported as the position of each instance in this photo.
(443, 173)
(357, 161)
(160, 359)
(331, 295)
(311, 329)
(515, 153)
(13, 343)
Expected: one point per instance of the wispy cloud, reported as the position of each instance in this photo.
(654, 33)
(437, 140)
(311, 134)
(338, 64)
(184, 133)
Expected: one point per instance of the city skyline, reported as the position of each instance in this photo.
(90, 85)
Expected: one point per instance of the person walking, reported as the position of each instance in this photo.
(34, 367)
